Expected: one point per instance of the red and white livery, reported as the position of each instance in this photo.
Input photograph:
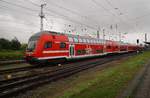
(49, 46)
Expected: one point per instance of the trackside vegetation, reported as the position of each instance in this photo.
(11, 49)
(11, 54)
(110, 82)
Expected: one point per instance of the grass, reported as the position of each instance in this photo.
(10, 54)
(109, 82)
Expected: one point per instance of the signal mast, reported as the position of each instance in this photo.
(42, 16)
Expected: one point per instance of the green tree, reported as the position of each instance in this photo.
(5, 44)
(15, 44)
(23, 47)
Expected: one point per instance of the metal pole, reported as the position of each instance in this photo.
(103, 34)
(42, 16)
(98, 34)
(104, 46)
(119, 36)
(116, 30)
(145, 37)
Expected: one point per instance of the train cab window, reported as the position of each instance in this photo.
(62, 45)
(48, 45)
(31, 45)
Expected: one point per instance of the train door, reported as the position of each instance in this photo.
(71, 50)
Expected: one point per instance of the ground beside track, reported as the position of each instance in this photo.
(105, 81)
(142, 86)
(12, 66)
(11, 54)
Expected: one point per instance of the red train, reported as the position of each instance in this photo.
(48, 46)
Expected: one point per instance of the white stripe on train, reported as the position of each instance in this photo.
(80, 56)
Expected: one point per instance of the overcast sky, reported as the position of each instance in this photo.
(20, 18)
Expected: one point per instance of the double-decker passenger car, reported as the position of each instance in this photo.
(50, 46)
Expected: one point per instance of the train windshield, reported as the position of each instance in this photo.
(32, 42)
(31, 45)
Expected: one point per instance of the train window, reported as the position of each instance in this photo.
(94, 41)
(75, 39)
(70, 39)
(80, 40)
(84, 40)
(97, 40)
(48, 45)
(108, 47)
(87, 40)
(90, 40)
(62, 45)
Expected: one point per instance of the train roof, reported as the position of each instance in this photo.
(37, 35)
(57, 33)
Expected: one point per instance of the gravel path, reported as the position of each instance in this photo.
(143, 90)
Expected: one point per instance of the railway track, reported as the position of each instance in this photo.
(6, 62)
(14, 86)
(12, 70)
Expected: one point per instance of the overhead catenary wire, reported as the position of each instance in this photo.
(25, 13)
(73, 12)
(65, 17)
(69, 19)
(32, 3)
(51, 11)
(112, 13)
(16, 11)
(17, 5)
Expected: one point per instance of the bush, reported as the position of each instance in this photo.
(14, 44)
(5, 44)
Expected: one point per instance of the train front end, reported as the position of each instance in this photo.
(31, 50)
